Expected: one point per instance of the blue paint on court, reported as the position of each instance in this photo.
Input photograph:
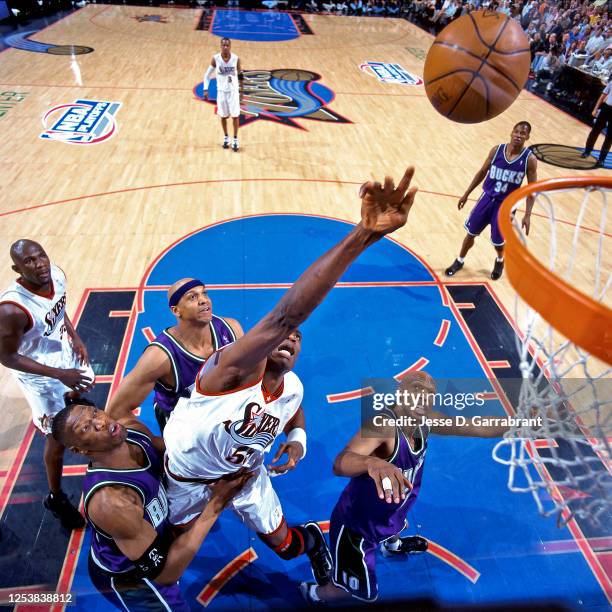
(254, 26)
(359, 332)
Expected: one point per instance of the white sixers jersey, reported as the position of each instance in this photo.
(208, 436)
(227, 73)
(45, 340)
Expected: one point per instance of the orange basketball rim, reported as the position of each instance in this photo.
(581, 319)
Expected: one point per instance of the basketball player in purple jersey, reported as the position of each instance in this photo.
(170, 363)
(385, 464)
(503, 172)
(133, 560)
(246, 395)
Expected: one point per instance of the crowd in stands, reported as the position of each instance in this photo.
(575, 33)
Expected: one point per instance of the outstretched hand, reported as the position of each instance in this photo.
(385, 208)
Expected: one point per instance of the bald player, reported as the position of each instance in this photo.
(170, 363)
(384, 461)
(39, 343)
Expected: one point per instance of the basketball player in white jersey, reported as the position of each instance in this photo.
(40, 345)
(246, 395)
(229, 72)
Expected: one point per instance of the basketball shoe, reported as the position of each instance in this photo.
(498, 269)
(453, 268)
(319, 555)
(235, 145)
(226, 142)
(59, 505)
(410, 545)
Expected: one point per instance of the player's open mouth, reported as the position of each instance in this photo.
(205, 309)
(286, 350)
(114, 429)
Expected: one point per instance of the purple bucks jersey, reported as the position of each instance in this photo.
(505, 176)
(185, 365)
(360, 508)
(146, 481)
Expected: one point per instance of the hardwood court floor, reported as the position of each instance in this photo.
(104, 212)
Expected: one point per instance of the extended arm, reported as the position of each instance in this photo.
(478, 178)
(383, 211)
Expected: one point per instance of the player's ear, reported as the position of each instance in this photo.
(14, 268)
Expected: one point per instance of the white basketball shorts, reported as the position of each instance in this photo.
(46, 395)
(257, 505)
(228, 103)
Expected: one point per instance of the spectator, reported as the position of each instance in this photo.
(601, 61)
(595, 42)
(356, 7)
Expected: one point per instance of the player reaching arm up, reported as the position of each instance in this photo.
(247, 394)
(384, 209)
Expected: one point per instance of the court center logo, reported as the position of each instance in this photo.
(282, 96)
(81, 122)
(390, 73)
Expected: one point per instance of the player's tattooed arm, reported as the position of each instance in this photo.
(384, 209)
(478, 178)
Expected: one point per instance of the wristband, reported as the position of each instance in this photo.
(297, 434)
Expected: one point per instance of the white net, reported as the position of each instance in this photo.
(562, 455)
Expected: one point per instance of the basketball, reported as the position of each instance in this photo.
(477, 66)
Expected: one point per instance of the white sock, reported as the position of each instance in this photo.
(226, 139)
(313, 593)
(500, 259)
(460, 259)
(393, 543)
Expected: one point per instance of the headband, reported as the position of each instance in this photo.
(182, 290)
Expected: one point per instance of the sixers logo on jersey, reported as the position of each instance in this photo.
(54, 314)
(281, 95)
(257, 428)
